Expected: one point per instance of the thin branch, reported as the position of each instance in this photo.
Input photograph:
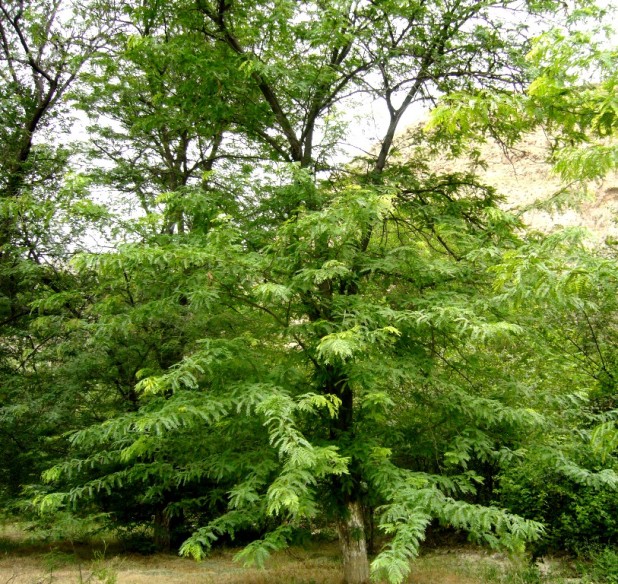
(596, 344)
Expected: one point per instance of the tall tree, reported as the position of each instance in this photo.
(573, 98)
(44, 214)
(341, 350)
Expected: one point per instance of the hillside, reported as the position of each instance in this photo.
(524, 177)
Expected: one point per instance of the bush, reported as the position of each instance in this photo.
(136, 539)
(575, 516)
(601, 566)
(64, 526)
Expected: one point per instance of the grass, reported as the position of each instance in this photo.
(24, 560)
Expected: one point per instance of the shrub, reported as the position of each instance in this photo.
(575, 516)
(601, 566)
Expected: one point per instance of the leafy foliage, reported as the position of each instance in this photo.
(277, 338)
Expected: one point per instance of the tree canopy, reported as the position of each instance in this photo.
(282, 336)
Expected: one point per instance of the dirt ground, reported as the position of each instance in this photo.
(23, 561)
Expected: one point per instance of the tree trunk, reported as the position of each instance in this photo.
(369, 528)
(162, 532)
(351, 530)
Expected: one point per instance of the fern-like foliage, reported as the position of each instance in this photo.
(414, 499)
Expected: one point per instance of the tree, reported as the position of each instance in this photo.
(45, 215)
(573, 98)
(338, 347)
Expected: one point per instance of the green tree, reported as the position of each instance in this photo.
(45, 215)
(573, 97)
(333, 341)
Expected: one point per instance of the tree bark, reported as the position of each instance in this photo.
(369, 528)
(162, 533)
(351, 530)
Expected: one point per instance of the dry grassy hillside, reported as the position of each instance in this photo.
(524, 176)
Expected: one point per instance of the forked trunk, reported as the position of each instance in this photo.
(351, 530)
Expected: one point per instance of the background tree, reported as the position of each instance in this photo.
(44, 219)
(561, 278)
